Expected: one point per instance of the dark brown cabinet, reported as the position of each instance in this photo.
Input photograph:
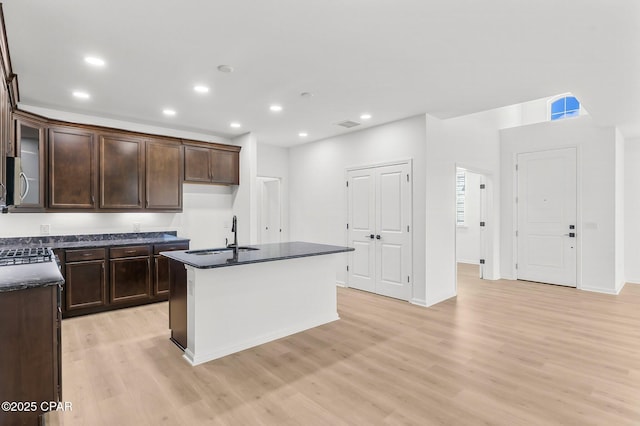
(217, 165)
(164, 172)
(121, 172)
(85, 275)
(72, 169)
(130, 274)
(29, 136)
(30, 359)
(161, 267)
(178, 303)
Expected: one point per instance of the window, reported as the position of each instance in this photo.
(461, 178)
(566, 106)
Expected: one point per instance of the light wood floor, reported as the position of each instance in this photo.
(502, 352)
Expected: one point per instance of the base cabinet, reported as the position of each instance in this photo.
(30, 371)
(102, 279)
(178, 303)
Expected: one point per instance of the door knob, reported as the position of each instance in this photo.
(371, 236)
(570, 234)
(378, 237)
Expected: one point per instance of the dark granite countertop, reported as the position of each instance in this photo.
(93, 240)
(220, 257)
(19, 277)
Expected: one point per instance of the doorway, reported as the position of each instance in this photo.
(471, 221)
(269, 210)
(379, 228)
(546, 216)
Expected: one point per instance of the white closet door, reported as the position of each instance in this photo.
(362, 229)
(547, 216)
(380, 230)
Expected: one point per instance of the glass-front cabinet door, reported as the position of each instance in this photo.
(30, 147)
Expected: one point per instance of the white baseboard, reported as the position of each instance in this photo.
(470, 262)
(418, 302)
(341, 284)
(602, 290)
(435, 302)
(632, 282)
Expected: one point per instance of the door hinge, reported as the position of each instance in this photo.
(408, 278)
(482, 261)
(347, 226)
(516, 266)
(347, 184)
(516, 167)
(481, 223)
(407, 177)
(347, 268)
(482, 186)
(516, 233)
(407, 228)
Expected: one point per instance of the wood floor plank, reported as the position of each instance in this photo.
(500, 353)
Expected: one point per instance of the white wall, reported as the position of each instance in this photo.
(596, 150)
(632, 210)
(244, 196)
(468, 236)
(317, 172)
(273, 161)
(620, 213)
(470, 142)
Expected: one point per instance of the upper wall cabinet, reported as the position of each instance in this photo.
(73, 178)
(218, 164)
(164, 171)
(30, 147)
(121, 172)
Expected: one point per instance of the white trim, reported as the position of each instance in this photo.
(445, 298)
(387, 163)
(469, 262)
(603, 290)
(341, 284)
(418, 302)
(632, 282)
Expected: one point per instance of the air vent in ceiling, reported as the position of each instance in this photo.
(348, 124)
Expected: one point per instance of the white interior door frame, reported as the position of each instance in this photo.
(579, 220)
(488, 239)
(261, 187)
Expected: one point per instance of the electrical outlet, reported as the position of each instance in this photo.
(45, 229)
(136, 226)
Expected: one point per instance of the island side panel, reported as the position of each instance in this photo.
(234, 308)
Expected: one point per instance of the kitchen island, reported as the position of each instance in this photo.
(237, 299)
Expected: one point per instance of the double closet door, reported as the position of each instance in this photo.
(380, 229)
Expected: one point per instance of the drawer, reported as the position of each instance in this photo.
(85, 254)
(131, 251)
(157, 248)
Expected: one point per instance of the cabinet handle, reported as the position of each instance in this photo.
(26, 184)
(93, 199)
(130, 251)
(86, 254)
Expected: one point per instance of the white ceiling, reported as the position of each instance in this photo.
(392, 59)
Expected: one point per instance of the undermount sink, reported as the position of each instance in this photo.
(204, 252)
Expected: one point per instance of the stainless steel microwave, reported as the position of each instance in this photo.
(17, 183)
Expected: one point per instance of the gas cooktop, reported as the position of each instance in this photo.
(21, 256)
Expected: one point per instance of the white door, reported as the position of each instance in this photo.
(546, 203)
(380, 230)
(270, 215)
(362, 228)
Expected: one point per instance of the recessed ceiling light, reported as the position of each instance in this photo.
(201, 89)
(225, 68)
(303, 134)
(365, 116)
(275, 108)
(235, 125)
(168, 111)
(95, 61)
(81, 95)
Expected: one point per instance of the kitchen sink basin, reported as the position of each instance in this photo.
(205, 252)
